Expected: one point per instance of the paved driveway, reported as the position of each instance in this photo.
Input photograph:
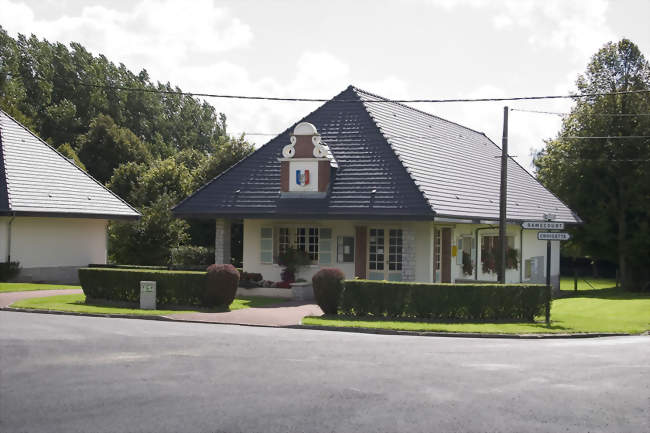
(9, 298)
(284, 314)
(79, 374)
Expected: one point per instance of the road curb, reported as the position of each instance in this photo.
(335, 328)
(459, 334)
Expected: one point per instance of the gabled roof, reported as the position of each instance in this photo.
(419, 165)
(36, 180)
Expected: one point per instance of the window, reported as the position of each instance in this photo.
(266, 245)
(395, 250)
(312, 240)
(283, 240)
(490, 252)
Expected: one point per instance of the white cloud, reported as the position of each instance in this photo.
(580, 25)
(156, 35)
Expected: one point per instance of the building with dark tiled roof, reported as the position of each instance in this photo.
(53, 215)
(382, 191)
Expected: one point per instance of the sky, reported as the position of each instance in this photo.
(398, 49)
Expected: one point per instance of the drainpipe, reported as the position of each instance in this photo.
(476, 249)
(521, 255)
(11, 220)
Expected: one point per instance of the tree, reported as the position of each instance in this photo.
(66, 150)
(607, 181)
(105, 146)
(151, 239)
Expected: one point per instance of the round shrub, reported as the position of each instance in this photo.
(220, 285)
(328, 285)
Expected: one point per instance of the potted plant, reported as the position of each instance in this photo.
(293, 259)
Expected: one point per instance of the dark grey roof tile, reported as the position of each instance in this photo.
(37, 180)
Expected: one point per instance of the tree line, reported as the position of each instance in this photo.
(607, 180)
(152, 149)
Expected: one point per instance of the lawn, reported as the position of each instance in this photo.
(26, 287)
(587, 283)
(77, 303)
(600, 310)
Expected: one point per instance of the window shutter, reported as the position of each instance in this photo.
(266, 245)
(325, 247)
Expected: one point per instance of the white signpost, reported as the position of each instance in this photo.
(543, 225)
(548, 237)
(553, 236)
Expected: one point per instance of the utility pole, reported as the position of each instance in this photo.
(503, 197)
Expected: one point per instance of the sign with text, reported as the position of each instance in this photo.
(553, 236)
(542, 225)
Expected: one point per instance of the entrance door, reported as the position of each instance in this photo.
(385, 254)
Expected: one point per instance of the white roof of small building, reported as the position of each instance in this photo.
(36, 180)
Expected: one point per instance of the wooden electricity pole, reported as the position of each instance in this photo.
(503, 197)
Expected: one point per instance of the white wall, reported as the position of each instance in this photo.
(531, 248)
(423, 247)
(252, 229)
(55, 242)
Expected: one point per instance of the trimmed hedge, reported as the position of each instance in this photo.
(8, 270)
(328, 285)
(220, 285)
(120, 284)
(476, 302)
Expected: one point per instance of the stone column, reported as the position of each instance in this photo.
(222, 240)
(408, 254)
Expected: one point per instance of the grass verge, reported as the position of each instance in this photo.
(587, 283)
(600, 310)
(77, 303)
(28, 287)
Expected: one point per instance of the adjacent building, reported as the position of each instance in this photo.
(53, 215)
(382, 191)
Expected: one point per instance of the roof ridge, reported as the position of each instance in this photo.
(69, 162)
(214, 179)
(396, 154)
(537, 180)
(356, 89)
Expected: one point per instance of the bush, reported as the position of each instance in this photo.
(119, 284)
(443, 301)
(189, 255)
(250, 276)
(8, 270)
(221, 285)
(328, 285)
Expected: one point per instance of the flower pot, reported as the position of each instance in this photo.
(302, 291)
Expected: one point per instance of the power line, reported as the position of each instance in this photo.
(273, 98)
(352, 134)
(557, 113)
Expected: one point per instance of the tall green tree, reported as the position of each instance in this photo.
(151, 148)
(106, 146)
(607, 180)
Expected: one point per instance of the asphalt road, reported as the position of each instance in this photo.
(83, 374)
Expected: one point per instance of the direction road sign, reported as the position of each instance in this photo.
(553, 236)
(545, 225)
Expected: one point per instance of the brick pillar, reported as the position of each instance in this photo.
(222, 241)
(408, 254)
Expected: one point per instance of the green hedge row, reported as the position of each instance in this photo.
(443, 301)
(120, 284)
